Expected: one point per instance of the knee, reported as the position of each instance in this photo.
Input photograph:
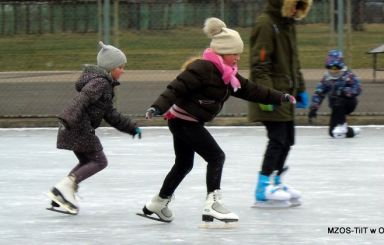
(187, 168)
(218, 159)
(103, 163)
(276, 144)
(221, 158)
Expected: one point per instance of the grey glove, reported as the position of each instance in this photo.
(151, 112)
(288, 98)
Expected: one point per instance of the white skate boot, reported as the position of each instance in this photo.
(270, 196)
(63, 194)
(214, 209)
(295, 194)
(158, 206)
(356, 131)
(340, 131)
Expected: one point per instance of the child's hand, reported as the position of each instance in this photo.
(302, 100)
(137, 132)
(151, 112)
(288, 98)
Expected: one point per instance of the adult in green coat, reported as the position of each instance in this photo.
(274, 62)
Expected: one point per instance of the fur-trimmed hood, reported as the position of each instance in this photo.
(284, 8)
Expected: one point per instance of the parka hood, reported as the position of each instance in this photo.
(91, 72)
(283, 8)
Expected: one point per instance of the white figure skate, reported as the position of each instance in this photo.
(159, 207)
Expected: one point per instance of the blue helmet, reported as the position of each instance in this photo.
(335, 60)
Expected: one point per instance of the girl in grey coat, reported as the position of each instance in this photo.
(80, 118)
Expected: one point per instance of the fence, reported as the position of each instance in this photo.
(38, 17)
(44, 43)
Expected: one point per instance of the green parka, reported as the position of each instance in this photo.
(274, 60)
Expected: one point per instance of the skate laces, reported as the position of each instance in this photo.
(171, 198)
(275, 188)
(76, 195)
(217, 204)
(217, 196)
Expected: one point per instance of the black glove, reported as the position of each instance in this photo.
(312, 115)
(151, 112)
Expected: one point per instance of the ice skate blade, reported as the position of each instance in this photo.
(219, 225)
(153, 218)
(272, 204)
(60, 211)
(63, 204)
(295, 202)
(211, 218)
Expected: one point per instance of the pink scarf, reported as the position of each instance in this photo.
(228, 72)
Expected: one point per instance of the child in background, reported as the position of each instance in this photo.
(195, 97)
(342, 87)
(80, 118)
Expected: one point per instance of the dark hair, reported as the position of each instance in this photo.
(300, 5)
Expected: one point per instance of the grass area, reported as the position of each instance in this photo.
(168, 49)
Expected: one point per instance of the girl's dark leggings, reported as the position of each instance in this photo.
(89, 164)
(188, 138)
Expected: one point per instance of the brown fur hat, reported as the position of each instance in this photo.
(302, 7)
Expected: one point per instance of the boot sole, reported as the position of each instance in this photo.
(272, 204)
(147, 214)
(56, 197)
(210, 218)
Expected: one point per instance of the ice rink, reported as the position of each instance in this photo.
(342, 182)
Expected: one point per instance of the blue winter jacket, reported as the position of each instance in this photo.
(345, 86)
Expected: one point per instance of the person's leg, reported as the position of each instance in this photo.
(198, 138)
(338, 122)
(290, 140)
(184, 156)
(190, 137)
(337, 119)
(89, 164)
(287, 142)
(350, 106)
(206, 146)
(281, 137)
(63, 193)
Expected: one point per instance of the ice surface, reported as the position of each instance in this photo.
(342, 182)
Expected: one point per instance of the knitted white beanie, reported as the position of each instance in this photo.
(224, 40)
(110, 57)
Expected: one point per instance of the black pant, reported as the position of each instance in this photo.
(188, 138)
(281, 137)
(341, 107)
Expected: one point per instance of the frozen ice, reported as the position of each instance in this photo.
(341, 180)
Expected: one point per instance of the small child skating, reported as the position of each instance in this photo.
(79, 119)
(195, 97)
(342, 87)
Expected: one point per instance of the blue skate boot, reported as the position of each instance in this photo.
(295, 194)
(270, 196)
